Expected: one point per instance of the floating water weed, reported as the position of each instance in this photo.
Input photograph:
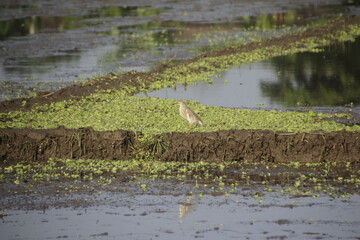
(154, 116)
(117, 109)
(225, 178)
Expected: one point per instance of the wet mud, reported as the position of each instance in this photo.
(169, 208)
(177, 217)
(233, 145)
(39, 145)
(240, 145)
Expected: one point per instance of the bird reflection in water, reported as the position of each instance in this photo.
(186, 205)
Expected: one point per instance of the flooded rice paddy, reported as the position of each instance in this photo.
(45, 45)
(232, 201)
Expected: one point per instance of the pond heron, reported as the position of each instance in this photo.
(189, 114)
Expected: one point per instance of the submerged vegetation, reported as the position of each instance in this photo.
(295, 179)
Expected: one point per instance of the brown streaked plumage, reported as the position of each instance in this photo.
(189, 114)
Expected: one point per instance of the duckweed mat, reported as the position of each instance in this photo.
(32, 145)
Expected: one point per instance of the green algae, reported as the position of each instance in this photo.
(153, 116)
(295, 179)
(119, 109)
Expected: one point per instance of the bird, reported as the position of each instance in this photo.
(189, 115)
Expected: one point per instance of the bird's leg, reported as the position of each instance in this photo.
(190, 127)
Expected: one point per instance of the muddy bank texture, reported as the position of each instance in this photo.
(39, 145)
(236, 145)
(240, 145)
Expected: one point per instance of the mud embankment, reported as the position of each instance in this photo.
(39, 144)
(259, 145)
(234, 145)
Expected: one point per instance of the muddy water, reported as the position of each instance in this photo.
(180, 216)
(45, 45)
(325, 78)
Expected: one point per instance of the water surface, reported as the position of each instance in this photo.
(328, 77)
(143, 216)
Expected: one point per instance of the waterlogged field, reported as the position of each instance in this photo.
(324, 77)
(336, 180)
(134, 199)
(144, 198)
(118, 109)
(46, 45)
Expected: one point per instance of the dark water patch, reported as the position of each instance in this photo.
(326, 77)
(292, 16)
(38, 24)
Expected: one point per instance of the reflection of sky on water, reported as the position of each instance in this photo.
(157, 217)
(326, 78)
(236, 88)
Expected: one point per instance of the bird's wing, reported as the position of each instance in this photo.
(195, 117)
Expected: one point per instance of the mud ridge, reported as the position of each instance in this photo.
(32, 145)
(232, 145)
(261, 145)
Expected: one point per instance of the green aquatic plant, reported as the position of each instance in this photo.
(118, 109)
(153, 116)
(214, 178)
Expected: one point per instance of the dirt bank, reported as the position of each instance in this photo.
(39, 145)
(236, 145)
(239, 145)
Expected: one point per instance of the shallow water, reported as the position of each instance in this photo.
(325, 78)
(237, 200)
(45, 45)
(147, 216)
